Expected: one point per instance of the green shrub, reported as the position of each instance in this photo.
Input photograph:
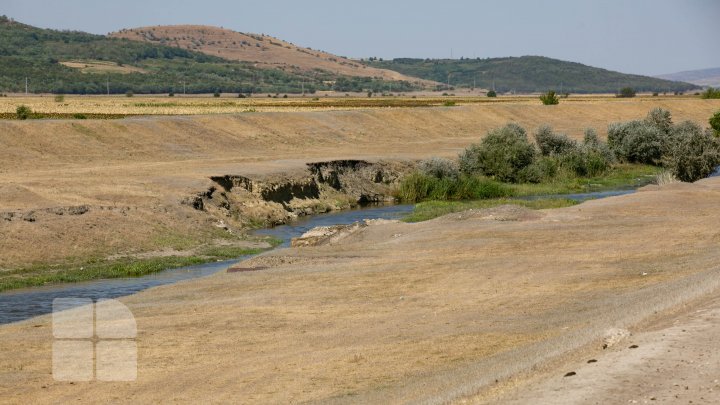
(129, 93)
(491, 93)
(691, 153)
(23, 112)
(711, 93)
(636, 142)
(449, 104)
(626, 92)
(592, 142)
(660, 118)
(79, 116)
(217, 93)
(549, 98)
(584, 162)
(59, 98)
(171, 94)
(715, 123)
(502, 154)
(440, 168)
(551, 143)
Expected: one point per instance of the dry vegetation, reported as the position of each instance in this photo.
(118, 106)
(404, 312)
(99, 66)
(263, 50)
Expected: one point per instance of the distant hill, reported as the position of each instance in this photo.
(78, 62)
(702, 77)
(261, 50)
(528, 74)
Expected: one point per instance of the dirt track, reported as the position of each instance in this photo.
(433, 311)
(132, 173)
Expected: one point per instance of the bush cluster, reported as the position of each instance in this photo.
(506, 154)
(685, 149)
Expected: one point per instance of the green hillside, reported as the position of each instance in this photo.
(42, 55)
(528, 74)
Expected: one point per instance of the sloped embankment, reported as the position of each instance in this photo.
(240, 201)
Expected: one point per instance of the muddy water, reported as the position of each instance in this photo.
(21, 304)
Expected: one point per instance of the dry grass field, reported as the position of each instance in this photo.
(133, 172)
(433, 311)
(197, 105)
(429, 312)
(99, 66)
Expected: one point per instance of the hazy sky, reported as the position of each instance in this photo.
(632, 36)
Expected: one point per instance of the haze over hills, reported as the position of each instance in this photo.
(701, 77)
(528, 74)
(261, 50)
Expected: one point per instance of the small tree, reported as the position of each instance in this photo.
(129, 93)
(171, 94)
(549, 98)
(626, 92)
(491, 93)
(217, 93)
(23, 112)
(715, 123)
(711, 93)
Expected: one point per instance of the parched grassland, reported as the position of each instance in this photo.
(118, 106)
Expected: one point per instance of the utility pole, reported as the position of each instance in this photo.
(474, 82)
(302, 86)
(183, 87)
(26, 85)
(107, 85)
(448, 84)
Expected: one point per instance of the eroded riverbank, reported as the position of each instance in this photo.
(429, 312)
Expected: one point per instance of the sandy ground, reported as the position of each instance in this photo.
(431, 312)
(675, 363)
(133, 172)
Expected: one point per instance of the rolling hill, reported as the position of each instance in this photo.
(528, 74)
(702, 77)
(77, 62)
(261, 50)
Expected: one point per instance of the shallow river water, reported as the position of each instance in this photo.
(17, 305)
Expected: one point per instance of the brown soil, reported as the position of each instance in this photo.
(262, 50)
(433, 311)
(133, 173)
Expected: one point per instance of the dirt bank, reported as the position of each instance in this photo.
(133, 174)
(397, 312)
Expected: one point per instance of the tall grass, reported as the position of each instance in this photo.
(418, 187)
